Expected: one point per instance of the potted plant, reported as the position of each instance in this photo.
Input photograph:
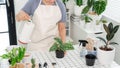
(106, 53)
(96, 6)
(59, 47)
(15, 56)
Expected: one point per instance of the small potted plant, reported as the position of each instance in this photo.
(59, 47)
(106, 53)
(94, 8)
(15, 56)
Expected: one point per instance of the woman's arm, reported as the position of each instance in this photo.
(62, 31)
(27, 10)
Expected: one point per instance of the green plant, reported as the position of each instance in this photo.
(98, 6)
(79, 2)
(59, 45)
(110, 30)
(33, 62)
(15, 55)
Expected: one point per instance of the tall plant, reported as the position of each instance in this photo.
(110, 30)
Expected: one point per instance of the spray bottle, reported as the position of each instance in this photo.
(83, 51)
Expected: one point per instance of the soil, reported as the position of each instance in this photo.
(106, 49)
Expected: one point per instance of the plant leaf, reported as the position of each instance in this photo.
(111, 36)
(102, 39)
(110, 26)
(59, 41)
(116, 28)
(106, 28)
(85, 9)
(79, 2)
(54, 47)
(99, 6)
(113, 43)
(68, 46)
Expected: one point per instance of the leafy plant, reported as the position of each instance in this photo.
(110, 30)
(33, 62)
(79, 2)
(15, 55)
(59, 45)
(98, 6)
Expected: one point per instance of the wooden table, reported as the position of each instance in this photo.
(71, 60)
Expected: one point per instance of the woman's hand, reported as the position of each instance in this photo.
(21, 16)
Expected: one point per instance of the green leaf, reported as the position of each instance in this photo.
(113, 43)
(99, 6)
(106, 28)
(90, 2)
(5, 56)
(111, 36)
(102, 39)
(116, 28)
(79, 2)
(68, 46)
(110, 26)
(54, 47)
(58, 41)
(87, 19)
(85, 9)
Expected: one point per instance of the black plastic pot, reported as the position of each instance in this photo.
(90, 59)
(59, 54)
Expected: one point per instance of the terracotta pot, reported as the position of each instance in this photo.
(18, 65)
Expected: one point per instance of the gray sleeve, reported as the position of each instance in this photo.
(63, 11)
(30, 6)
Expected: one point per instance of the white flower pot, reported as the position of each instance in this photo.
(105, 57)
(78, 10)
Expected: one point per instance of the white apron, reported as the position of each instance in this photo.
(45, 18)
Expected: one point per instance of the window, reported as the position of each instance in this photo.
(7, 25)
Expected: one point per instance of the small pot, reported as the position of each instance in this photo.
(90, 59)
(59, 53)
(18, 65)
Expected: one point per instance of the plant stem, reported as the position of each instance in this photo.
(107, 44)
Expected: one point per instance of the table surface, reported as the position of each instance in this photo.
(72, 59)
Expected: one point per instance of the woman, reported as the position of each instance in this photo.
(49, 17)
